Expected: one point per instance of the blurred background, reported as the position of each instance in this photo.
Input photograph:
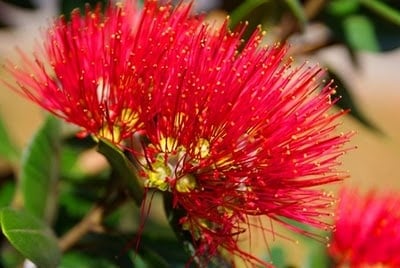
(358, 40)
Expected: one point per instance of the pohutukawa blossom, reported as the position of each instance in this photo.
(228, 128)
(367, 230)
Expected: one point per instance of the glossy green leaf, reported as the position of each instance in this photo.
(383, 10)
(360, 33)
(297, 10)
(8, 150)
(346, 101)
(31, 237)
(40, 170)
(124, 168)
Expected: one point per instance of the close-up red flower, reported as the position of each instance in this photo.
(228, 129)
(367, 229)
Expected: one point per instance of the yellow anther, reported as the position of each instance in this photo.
(179, 120)
(157, 178)
(186, 184)
(112, 133)
(129, 117)
(202, 148)
(168, 144)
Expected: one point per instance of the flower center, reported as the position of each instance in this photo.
(158, 176)
(115, 129)
(166, 172)
(186, 184)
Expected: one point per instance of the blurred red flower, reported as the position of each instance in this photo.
(367, 229)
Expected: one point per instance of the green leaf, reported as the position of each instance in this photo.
(40, 170)
(124, 168)
(346, 101)
(298, 11)
(343, 7)
(80, 260)
(243, 10)
(317, 257)
(8, 150)
(383, 10)
(7, 190)
(360, 33)
(277, 257)
(31, 237)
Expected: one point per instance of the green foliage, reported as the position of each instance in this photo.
(7, 190)
(363, 24)
(125, 169)
(8, 150)
(30, 236)
(360, 33)
(383, 10)
(243, 10)
(40, 170)
(296, 8)
(277, 256)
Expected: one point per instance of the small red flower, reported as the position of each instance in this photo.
(79, 73)
(367, 230)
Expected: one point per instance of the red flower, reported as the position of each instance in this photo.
(367, 230)
(79, 72)
(231, 130)
(228, 128)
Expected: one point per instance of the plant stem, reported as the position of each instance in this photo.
(92, 221)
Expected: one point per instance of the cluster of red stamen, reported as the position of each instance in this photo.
(228, 127)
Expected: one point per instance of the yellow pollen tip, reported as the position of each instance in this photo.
(167, 144)
(202, 148)
(186, 184)
(112, 133)
(157, 178)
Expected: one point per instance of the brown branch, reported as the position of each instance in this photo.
(92, 221)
